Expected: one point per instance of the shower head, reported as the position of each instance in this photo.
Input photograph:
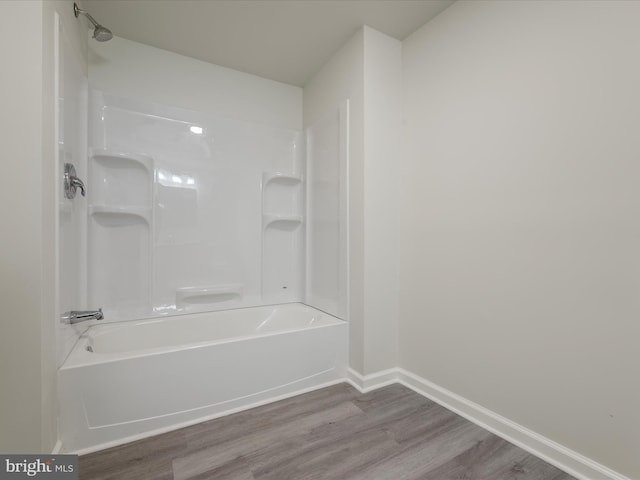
(100, 33)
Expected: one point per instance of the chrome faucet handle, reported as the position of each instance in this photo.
(77, 183)
(71, 182)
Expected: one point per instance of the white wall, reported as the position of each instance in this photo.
(382, 158)
(367, 72)
(21, 252)
(519, 269)
(28, 249)
(133, 70)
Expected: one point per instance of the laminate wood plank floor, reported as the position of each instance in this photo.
(334, 433)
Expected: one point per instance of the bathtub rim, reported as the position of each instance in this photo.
(80, 357)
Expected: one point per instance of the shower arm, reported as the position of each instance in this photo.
(78, 11)
(100, 33)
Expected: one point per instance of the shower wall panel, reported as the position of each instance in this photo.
(191, 211)
(71, 141)
(327, 213)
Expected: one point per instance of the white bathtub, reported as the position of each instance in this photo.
(146, 377)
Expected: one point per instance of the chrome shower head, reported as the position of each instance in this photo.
(100, 33)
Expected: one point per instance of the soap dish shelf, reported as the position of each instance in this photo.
(122, 211)
(274, 220)
(186, 296)
(281, 178)
(113, 158)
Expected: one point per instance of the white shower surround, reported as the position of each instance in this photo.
(149, 376)
(200, 226)
(191, 211)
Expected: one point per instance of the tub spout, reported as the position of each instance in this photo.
(76, 316)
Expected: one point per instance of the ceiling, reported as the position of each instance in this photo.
(284, 40)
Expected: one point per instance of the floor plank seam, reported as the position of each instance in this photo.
(336, 433)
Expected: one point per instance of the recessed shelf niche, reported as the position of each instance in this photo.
(281, 193)
(282, 204)
(120, 214)
(286, 222)
(120, 230)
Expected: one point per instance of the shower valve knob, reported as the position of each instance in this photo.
(71, 182)
(77, 183)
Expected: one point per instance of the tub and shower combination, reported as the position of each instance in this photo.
(203, 235)
(127, 380)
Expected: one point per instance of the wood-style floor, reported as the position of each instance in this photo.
(334, 433)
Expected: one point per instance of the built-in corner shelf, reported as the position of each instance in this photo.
(281, 199)
(116, 159)
(120, 227)
(122, 212)
(121, 185)
(281, 178)
(281, 221)
(282, 218)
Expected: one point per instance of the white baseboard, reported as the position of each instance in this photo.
(565, 459)
(572, 462)
(366, 383)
